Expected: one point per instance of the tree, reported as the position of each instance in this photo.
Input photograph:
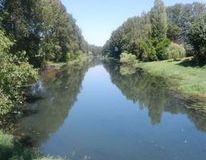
(15, 75)
(174, 32)
(148, 36)
(158, 17)
(181, 17)
(43, 29)
(197, 38)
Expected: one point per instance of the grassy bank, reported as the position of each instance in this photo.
(79, 60)
(186, 79)
(11, 149)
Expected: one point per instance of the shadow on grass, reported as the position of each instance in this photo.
(191, 62)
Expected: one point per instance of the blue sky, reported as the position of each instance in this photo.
(98, 18)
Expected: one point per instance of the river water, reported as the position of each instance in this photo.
(97, 112)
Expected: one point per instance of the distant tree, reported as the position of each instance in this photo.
(95, 50)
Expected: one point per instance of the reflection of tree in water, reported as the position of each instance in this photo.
(152, 92)
(60, 95)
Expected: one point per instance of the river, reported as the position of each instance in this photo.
(96, 112)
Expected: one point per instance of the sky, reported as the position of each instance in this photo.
(98, 18)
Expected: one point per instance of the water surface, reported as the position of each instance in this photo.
(99, 114)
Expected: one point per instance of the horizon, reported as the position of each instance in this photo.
(91, 15)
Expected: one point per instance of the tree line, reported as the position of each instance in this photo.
(43, 29)
(162, 33)
(33, 32)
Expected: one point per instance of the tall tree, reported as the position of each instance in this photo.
(42, 28)
(197, 38)
(158, 18)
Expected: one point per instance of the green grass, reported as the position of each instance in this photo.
(188, 80)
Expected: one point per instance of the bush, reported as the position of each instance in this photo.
(5, 104)
(15, 75)
(175, 51)
(128, 59)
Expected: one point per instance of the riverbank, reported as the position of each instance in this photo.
(78, 61)
(10, 148)
(186, 79)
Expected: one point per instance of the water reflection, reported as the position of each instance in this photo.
(59, 94)
(114, 115)
(152, 93)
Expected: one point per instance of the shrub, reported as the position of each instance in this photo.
(128, 59)
(15, 75)
(175, 51)
(5, 104)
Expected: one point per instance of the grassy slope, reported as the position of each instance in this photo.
(190, 81)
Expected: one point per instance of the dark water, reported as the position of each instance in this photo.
(99, 114)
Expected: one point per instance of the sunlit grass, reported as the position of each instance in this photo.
(191, 81)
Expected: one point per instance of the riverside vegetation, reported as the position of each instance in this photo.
(167, 42)
(167, 36)
(33, 34)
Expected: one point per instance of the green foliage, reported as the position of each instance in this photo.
(127, 37)
(161, 49)
(148, 51)
(180, 18)
(40, 31)
(158, 18)
(145, 36)
(128, 59)
(173, 32)
(197, 38)
(175, 51)
(43, 29)
(5, 42)
(16, 74)
(148, 36)
(129, 63)
(5, 104)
